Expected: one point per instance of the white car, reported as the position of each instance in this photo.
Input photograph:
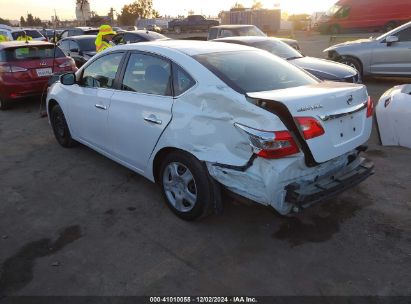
(193, 116)
(13, 33)
(393, 114)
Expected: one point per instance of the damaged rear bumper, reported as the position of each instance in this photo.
(304, 196)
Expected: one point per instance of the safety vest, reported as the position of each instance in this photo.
(3, 38)
(22, 38)
(102, 46)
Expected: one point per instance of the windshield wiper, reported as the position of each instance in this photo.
(294, 57)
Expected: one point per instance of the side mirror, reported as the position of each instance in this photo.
(391, 39)
(68, 79)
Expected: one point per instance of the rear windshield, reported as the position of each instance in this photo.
(254, 71)
(278, 48)
(250, 31)
(31, 33)
(91, 32)
(31, 52)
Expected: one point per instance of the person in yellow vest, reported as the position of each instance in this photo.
(3, 38)
(24, 37)
(104, 37)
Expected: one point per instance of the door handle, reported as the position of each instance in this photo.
(101, 107)
(153, 119)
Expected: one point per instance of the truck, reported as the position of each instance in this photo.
(353, 15)
(191, 23)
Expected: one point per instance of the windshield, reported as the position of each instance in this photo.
(250, 31)
(31, 33)
(278, 48)
(254, 71)
(33, 52)
(333, 10)
(87, 45)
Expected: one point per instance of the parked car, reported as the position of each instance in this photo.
(387, 55)
(13, 33)
(194, 115)
(226, 31)
(393, 116)
(322, 69)
(80, 48)
(191, 23)
(79, 31)
(137, 36)
(365, 15)
(25, 69)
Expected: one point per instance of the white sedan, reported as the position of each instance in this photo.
(393, 113)
(197, 116)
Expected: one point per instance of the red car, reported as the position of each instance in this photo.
(25, 69)
(350, 15)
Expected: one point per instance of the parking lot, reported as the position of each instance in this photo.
(75, 223)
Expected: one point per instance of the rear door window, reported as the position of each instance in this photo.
(405, 35)
(182, 81)
(147, 74)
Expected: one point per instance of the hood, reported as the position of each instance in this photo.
(325, 69)
(349, 43)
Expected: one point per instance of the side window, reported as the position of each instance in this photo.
(3, 56)
(405, 35)
(226, 33)
(212, 34)
(74, 46)
(102, 72)
(65, 34)
(64, 45)
(181, 80)
(343, 12)
(129, 38)
(147, 74)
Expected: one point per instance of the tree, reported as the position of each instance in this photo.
(30, 20)
(141, 9)
(257, 5)
(5, 21)
(22, 21)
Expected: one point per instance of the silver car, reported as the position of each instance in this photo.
(387, 55)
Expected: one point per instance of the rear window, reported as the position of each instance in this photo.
(254, 71)
(31, 33)
(32, 52)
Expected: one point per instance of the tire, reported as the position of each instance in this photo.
(353, 62)
(60, 128)
(334, 29)
(187, 187)
(4, 104)
(177, 30)
(390, 26)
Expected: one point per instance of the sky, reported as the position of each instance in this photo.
(13, 9)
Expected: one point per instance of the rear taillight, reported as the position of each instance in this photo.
(7, 68)
(370, 108)
(310, 126)
(276, 144)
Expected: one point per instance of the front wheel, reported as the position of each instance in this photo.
(60, 127)
(186, 186)
(352, 62)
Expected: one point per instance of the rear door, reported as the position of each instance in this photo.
(89, 101)
(142, 109)
(394, 59)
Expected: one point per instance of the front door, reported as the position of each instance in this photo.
(91, 101)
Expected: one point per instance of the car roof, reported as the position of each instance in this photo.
(11, 44)
(188, 47)
(233, 26)
(80, 37)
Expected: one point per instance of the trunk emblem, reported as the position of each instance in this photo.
(43, 63)
(350, 100)
(310, 108)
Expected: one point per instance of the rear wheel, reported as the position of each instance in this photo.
(60, 128)
(186, 186)
(334, 29)
(4, 104)
(352, 62)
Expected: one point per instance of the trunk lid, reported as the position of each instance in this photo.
(339, 107)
